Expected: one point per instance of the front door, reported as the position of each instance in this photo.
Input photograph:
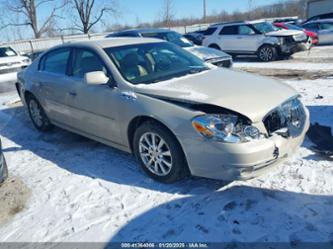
(94, 109)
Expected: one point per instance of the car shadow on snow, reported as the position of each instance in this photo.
(82, 156)
(237, 214)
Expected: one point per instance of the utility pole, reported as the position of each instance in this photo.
(204, 11)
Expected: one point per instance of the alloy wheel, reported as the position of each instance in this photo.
(36, 112)
(266, 54)
(155, 154)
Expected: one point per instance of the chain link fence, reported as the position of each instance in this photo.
(36, 45)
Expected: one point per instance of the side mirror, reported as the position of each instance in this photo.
(96, 78)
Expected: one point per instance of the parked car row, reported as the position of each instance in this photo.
(11, 62)
(209, 55)
(241, 38)
(258, 38)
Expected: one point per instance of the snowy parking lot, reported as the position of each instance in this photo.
(81, 190)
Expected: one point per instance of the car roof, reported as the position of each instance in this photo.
(115, 42)
(320, 21)
(147, 30)
(238, 22)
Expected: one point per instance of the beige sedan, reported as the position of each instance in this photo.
(178, 115)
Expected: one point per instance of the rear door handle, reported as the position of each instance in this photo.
(73, 94)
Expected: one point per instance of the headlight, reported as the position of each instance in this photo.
(26, 61)
(225, 128)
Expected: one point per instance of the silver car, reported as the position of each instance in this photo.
(324, 29)
(178, 115)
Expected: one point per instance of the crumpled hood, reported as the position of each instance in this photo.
(284, 32)
(207, 53)
(250, 95)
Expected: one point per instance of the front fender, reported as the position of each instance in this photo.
(177, 118)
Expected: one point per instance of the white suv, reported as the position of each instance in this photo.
(259, 38)
(11, 62)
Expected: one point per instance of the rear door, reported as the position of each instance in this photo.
(227, 39)
(248, 39)
(326, 32)
(52, 88)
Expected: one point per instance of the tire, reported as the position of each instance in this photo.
(3, 169)
(37, 115)
(168, 167)
(267, 53)
(215, 46)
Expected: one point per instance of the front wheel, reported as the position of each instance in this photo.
(267, 53)
(37, 115)
(159, 153)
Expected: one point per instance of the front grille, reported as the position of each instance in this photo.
(8, 64)
(225, 63)
(10, 70)
(289, 117)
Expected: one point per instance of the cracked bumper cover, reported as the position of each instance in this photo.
(295, 47)
(243, 161)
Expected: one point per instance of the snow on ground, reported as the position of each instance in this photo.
(85, 191)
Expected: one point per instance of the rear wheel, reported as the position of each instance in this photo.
(267, 53)
(159, 153)
(37, 114)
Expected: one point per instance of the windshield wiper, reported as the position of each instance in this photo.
(197, 69)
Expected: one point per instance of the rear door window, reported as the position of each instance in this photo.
(245, 30)
(311, 26)
(326, 25)
(56, 61)
(229, 30)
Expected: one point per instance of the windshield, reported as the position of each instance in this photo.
(265, 27)
(154, 62)
(7, 52)
(172, 37)
(294, 27)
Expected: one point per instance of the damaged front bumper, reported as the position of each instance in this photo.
(242, 161)
(294, 47)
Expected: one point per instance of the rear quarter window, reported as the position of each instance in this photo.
(210, 31)
(55, 61)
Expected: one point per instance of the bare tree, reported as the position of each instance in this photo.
(28, 13)
(90, 13)
(167, 12)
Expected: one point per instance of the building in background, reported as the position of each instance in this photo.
(318, 7)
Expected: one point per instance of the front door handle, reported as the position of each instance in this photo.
(73, 94)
